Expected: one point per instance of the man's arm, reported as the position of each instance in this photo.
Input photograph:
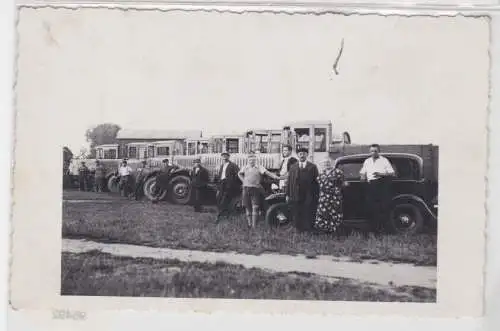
(264, 171)
(362, 172)
(241, 174)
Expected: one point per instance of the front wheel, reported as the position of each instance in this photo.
(405, 218)
(180, 190)
(149, 187)
(279, 216)
(113, 185)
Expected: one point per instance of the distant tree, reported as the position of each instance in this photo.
(104, 133)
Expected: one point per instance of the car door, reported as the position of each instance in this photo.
(354, 190)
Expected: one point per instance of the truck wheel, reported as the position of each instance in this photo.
(279, 216)
(180, 190)
(113, 186)
(148, 189)
(237, 205)
(405, 218)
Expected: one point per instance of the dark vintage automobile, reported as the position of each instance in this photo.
(413, 203)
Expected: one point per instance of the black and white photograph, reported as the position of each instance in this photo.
(259, 157)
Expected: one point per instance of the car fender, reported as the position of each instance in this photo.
(410, 198)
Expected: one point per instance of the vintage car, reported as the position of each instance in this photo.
(413, 202)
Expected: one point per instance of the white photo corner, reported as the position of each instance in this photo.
(249, 161)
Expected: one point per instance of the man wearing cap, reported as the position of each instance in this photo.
(199, 182)
(142, 173)
(83, 176)
(376, 171)
(251, 177)
(302, 191)
(124, 172)
(100, 177)
(229, 185)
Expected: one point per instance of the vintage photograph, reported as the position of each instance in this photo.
(301, 210)
(267, 161)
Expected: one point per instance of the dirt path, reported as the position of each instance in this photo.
(376, 272)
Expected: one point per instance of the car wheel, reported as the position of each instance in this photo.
(405, 218)
(279, 216)
(149, 187)
(237, 205)
(180, 190)
(113, 185)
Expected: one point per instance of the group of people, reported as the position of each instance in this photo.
(315, 198)
(92, 181)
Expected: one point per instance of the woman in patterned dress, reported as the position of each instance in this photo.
(329, 216)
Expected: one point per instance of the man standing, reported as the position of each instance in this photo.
(376, 171)
(142, 174)
(229, 185)
(83, 176)
(286, 163)
(125, 171)
(199, 182)
(100, 177)
(251, 176)
(302, 191)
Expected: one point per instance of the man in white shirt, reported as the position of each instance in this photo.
(286, 163)
(124, 171)
(376, 170)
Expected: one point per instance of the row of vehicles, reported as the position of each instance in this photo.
(414, 205)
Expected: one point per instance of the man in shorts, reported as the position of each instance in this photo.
(251, 176)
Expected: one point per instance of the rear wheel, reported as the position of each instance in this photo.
(405, 218)
(279, 216)
(180, 190)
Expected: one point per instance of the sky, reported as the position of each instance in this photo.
(226, 72)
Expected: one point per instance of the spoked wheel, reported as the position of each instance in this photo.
(149, 190)
(180, 190)
(113, 185)
(405, 219)
(279, 216)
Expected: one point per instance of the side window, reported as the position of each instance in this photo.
(132, 152)
(320, 140)
(351, 170)
(163, 151)
(232, 145)
(406, 169)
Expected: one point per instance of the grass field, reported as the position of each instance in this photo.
(174, 226)
(94, 273)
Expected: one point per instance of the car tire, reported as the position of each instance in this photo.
(179, 191)
(148, 189)
(279, 216)
(113, 185)
(405, 219)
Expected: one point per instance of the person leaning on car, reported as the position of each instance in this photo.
(163, 178)
(376, 169)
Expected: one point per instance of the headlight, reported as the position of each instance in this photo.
(274, 186)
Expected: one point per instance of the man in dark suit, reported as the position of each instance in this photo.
(286, 163)
(229, 186)
(302, 191)
(199, 182)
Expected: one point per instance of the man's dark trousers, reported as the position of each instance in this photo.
(377, 201)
